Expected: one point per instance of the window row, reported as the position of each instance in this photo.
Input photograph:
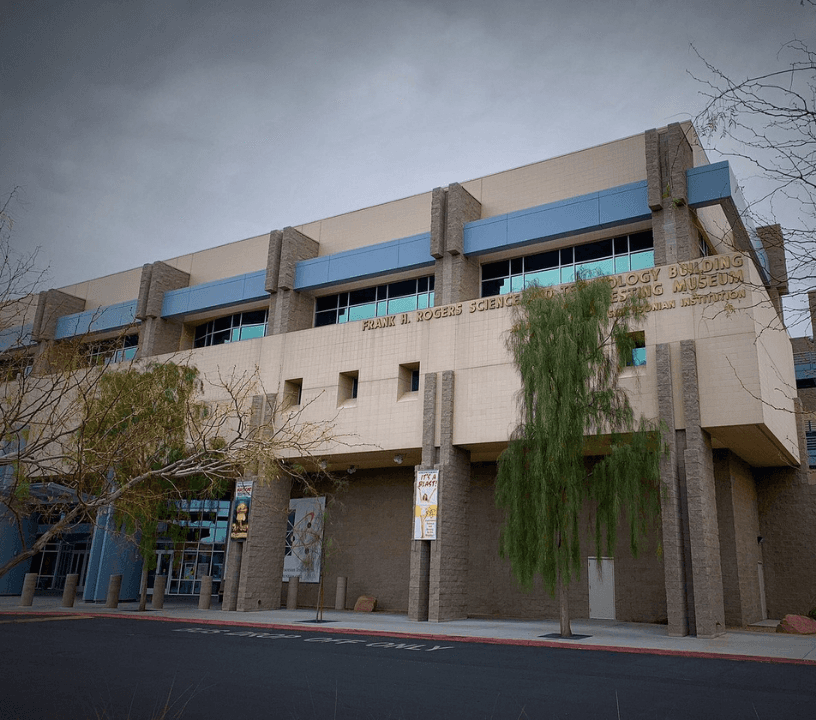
(232, 328)
(348, 385)
(605, 257)
(378, 301)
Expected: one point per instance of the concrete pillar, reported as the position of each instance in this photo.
(69, 591)
(157, 335)
(420, 578)
(449, 552)
(456, 277)
(701, 501)
(668, 156)
(29, 585)
(205, 593)
(340, 595)
(159, 586)
(290, 310)
(292, 593)
(672, 507)
(259, 587)
(233, 574)
(114, 588)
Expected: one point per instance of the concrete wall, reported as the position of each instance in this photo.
(369, 533)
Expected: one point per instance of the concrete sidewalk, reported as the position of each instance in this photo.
(597, 634)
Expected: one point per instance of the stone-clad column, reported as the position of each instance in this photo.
(704, 539)
(456, 277)
(259, 586)
(668, 156)
(448, 561)
(419, 579)
(51, 306)
(157, 335)
(672, 509)
(289, 310)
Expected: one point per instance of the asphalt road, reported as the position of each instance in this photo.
(105, 668)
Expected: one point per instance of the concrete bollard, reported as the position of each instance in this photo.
(205, 594)
(29, 585)
(291, 593)
(69, 591)
(114, 587)
(159, 586)
(340, 597)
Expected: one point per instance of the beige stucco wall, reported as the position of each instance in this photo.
(591, 170)
(107, 290)
(237, 258)
(741, 358)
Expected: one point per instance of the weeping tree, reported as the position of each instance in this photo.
(569, 348)
(139, 424)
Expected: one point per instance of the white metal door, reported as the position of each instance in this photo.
(601, 577)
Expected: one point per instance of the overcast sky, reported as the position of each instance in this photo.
(141, 130)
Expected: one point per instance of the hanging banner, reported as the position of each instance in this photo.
(240, 512)
(304, 539)
(425, 504)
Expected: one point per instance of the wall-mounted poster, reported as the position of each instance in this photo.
(240, 512)
(304, 539)
(425, 504)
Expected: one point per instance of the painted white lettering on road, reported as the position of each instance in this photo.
(336, 641)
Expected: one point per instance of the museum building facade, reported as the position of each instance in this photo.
(390, 323)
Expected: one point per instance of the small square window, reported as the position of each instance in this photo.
(637, 357)
(408, 380)
(292, 392)
(347, 387)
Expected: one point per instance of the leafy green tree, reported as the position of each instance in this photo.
(568, 348)
(140, 420)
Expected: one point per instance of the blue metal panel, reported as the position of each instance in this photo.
(16, 337)
(381, 259)
(626, 203)
(583, 213)
(216, 294)
(111, 317)
(711, 184)
(806, 369)
(112, 554)
(708, 184)
(10, 546)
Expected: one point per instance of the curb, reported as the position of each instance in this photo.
(426, 636)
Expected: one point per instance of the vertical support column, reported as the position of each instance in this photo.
(157, 335)
(668, 156)
(420, 564)
(671, 506)
(292, 310)
(448, 562)
(232, 576)
(774, 244)
(709, 612)
(456, 277)
(259, 587)
(51, 306)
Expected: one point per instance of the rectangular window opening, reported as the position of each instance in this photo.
(292, 393)
(347, 387)
(638, 354)
(408, 379)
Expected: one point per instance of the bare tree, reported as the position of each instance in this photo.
(769, 121)
(82, 431)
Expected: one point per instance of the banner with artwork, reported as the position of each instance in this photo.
(240, 509)
(304, 539)
(425, 504)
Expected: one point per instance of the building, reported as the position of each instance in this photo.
(389, 321)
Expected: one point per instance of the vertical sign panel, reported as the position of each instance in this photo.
(425, 504)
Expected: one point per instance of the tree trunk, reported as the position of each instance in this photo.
(563, 602)
(143, 595)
